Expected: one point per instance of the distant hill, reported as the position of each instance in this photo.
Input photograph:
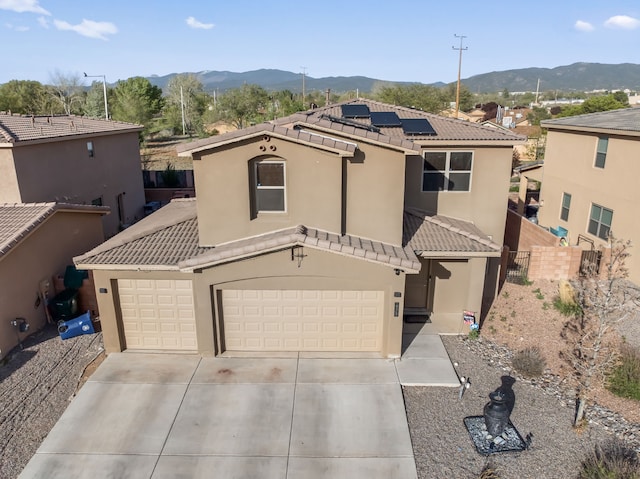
(579, 76)
(276, 80)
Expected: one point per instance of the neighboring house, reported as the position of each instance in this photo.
(37, 242)
(317, 232)
(73, 160)
(590, 182)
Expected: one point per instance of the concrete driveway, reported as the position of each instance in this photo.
(183, 416)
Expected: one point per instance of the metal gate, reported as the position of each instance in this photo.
(518, 266)
(590, 262)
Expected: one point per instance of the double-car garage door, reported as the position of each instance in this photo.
(160, 315)
(302, 320)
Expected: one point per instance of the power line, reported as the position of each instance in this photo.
(460, 49)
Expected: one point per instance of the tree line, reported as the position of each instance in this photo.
(186, 107)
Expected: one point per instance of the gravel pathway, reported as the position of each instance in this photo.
(36, 385)
(443, 448)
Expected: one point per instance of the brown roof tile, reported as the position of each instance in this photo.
(435, 235)
(21, 128)
(18, 220)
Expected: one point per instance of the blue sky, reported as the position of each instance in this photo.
(401, 40)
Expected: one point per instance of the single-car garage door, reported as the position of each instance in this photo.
(158, 314)
(302, 320)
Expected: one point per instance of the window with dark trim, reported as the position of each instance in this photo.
(447, 171)
(90, 149)
(566, 205)
(601, 153)
(600, 221)
(270, 186)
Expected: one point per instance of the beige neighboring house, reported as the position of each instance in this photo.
(37, 242)
(72, 159)
(590, 179)
(317, 232)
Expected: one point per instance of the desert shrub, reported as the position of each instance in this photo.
(529, 362)
(567, 309)
(611, 460)
(474, 334)
(624, 380)
(489, 472)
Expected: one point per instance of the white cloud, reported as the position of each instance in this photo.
(622, 21)
(44, 23)
(583, 26)
(16, 28)
(89, 28)
(22, 6)
(193, 23)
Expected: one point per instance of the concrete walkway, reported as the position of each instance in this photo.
(183, 416)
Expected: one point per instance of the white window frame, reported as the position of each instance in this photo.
(258, 187)
(447, 170)
(604, 153)
(562, 207)
(599, 221)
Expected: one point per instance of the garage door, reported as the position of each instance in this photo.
(158, 314)
(301, 320)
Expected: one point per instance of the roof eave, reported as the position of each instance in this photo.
(458, 254)
(590, 129)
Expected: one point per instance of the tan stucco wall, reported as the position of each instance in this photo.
(485, 205)
(569, 168)
(458, 285)
(318, 270)
(314, 191)
(42, 255)
(312, 181)
(9, 190)
(63, 171)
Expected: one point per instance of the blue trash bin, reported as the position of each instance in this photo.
(76, 326)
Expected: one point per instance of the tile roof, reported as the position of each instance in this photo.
(18, 220)
(447, 129)
(624, 120)
(262, 129)
(437, 235)
(18, 128)
(168, 239)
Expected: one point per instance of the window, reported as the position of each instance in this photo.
(97, 201)
(90, 148)
(270, 186)
(564, 209)
(447, 171)
(600, 221)
(601, 154)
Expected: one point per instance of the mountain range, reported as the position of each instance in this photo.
(578, 77)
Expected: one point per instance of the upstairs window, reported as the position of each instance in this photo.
(566, 205)
(600, 221)
(601, 153)
(270, 186)
(90, 149)
(447, 171)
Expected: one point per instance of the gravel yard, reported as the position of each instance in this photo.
(36, 385)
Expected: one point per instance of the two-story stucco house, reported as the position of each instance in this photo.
(316, 232)
(590, 182)
(75, 160)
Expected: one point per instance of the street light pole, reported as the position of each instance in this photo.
(460, 49)
(104, 88)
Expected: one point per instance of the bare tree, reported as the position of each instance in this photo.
(604, 301)
(67, 89)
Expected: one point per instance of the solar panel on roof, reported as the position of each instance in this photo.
(385, 118)
(417, 126)
(355, 111)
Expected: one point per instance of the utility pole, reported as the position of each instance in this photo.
(460, 49)
(304, 72)
(537, 91)
(184, 130)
